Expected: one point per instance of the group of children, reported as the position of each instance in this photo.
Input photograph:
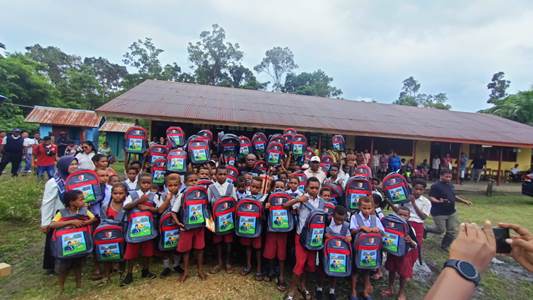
(198, 223)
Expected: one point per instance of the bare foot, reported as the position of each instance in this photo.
(229, 269)
(401, 296)
(387, 292)
(183, 277)
(202, 275)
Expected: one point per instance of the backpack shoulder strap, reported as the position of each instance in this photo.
(359, 220)
(212, 189)
(345, 228)
(373, 221)
(229, 190)
(134, 195)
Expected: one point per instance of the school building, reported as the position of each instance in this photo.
(413, 132)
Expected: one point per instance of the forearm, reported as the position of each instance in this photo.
(290, 203)
(420, 214)
(450, 285)
(59, 224)
(131, 205)
(434, 200)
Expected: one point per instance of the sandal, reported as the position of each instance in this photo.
(281, 285)
(258, 276)
(305, 294)
(387, 293)
(245, 271)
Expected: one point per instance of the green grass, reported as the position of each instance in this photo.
(21, 245)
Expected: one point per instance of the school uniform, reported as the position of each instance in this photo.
(417, 223)
(403, 265)
(305, 259)
(241, 195)
(255, 243)
(146, 248)
(276, 245)
(189, 239)
(354, 225)
(214, 192)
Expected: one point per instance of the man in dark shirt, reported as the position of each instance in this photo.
(12, 149)
(249, 166)
(478, 165)
(62, 143)
(442, 197)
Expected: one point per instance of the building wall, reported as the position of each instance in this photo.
(45, 130)
(422, 151)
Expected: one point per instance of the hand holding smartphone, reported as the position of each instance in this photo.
(501, 234)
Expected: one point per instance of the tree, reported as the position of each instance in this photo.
(212, 57)
(498, 87)
(109, 75)
(410, 96)
(437, 101)
(517, 107)
(242, 77)
(316, 83)
(56, 62)
(277, 63)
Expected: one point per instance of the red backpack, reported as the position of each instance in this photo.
(290, 131)
(259, 142)
(299, 145)
(233, 174)
(194, 210)
(157, 152)
(72, 242)
(169, 233)
(312, 235)
(337, 258)
(207, 134)
(135, 140)
(175, 137)
(396, 188)
(274, 153)
(287, 141)
(367, 246)
(177, 161)
(224, 214)
(229, 148)
(109, 241)
(248, 218)
(245, 146)
(280, 219)
(159, 169)
(363, 171)
(357, 187)
(337, 141)
(141, 225)
(198, 149)
(261, 166)
(87, 182)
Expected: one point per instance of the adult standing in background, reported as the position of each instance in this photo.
(12, 148)
(478, 165)
(46, 156)
(375, 163)
(85, 157)
(435, 167)
(62, 143)
(28, 144)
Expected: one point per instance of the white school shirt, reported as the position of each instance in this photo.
(173, 200)
(366, 222)
(51, 202)
(221, 188)
(140, 194)
(423, 204)
(336, 229)
(304, 211)
(132, 185)
(177, 203)
(294, 194)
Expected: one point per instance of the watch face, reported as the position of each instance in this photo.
(467, 269)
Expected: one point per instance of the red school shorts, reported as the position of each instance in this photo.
(254, 242)
(227, 238)
(276, 245)
(400, 265)
(305, 259)
(190, 239)
(132, 250)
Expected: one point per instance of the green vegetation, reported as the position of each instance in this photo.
(21, 245)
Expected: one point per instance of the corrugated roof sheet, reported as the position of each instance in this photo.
(63, 116)
(115, 126)
(183, 102)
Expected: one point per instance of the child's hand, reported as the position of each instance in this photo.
(180, 225)
(76, 223)
(365, 229)
(143, 207)
(375, 230)
(144, 198)
(408, 239)
(267, 205)
(348, 239)
(412, 199)
(303, 198)
(44, 229)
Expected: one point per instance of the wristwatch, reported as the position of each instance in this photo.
(465, 269)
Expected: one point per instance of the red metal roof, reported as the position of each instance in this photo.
(184, 102)
(63, 116)
(115, 126)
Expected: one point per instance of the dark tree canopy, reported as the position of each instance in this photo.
(317, 83)
(410, 96)
(277, 63)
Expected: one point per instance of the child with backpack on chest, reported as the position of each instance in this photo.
(254, 243)
(305, 259)
(293, 184)
(142, 200)
(219, 189)
(365, 221)
(74, 215)
(192, 238)
(401, 265)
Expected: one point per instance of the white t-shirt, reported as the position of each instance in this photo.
(435, 163)
(294, 194)
(177, 203)
(173, 200)
(140, 193)
(366, 222)
(28, 145)
(85, 161)
(304, 211)
(320, 174)
(222, 189)
(423, 204)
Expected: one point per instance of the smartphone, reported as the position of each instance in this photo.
(501, 234)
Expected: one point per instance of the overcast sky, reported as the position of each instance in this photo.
(368, 47)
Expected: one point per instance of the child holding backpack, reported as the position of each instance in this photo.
(401, 265)
(142, 200)
(221, 188)
(365, 221)
(74, 215)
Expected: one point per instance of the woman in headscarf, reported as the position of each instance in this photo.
(52, 202)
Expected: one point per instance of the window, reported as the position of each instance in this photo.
(384, 145)
(493, 153)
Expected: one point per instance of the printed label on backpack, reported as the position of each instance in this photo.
(337, 147)
(170, 239)
(225, 222)
(199, 154)
(177, 140)
(109, 252)
(135, 145)
(156, 157)
(73, 243)
(337, 263)
(369, 259)
(280, 219)
(317, 237)
(141, 227)
(259, 147)
(88, 193)
(159, 177)
(273, 158)
(247, 225)
(390, 242)
(354, 200)
(196, 214)
(397, 194)
(298, 149)
(176, 164)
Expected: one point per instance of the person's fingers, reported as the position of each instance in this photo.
(520, 243)
(471, 231)
(517, 228)
(462, 231)
(489, 233)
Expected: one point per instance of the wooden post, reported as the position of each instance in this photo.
(458, 171)
(320, 143)
(500, 158)
(372, 146)
(414, 153)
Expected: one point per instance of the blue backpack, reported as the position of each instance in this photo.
(367, 246)
(141, 226)
(312, 235)
(280, 219)
(337, 258)
(248, 218)
(396, 229)
(72, 242)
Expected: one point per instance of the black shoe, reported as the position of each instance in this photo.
(178, 269)
(147, 274)
(332, 296)
(425, 234)
(318, 294)
(165, 272)
(127, 279)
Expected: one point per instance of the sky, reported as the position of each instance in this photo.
(368, 47)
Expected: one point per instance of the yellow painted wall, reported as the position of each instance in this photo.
(422, 151)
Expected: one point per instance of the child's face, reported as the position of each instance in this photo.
(404, 214)
(78, 203)
(146, 183)
(293, 184)
(154, 188)
(118, 195)
(191, 180)
(326, 195)
(333, 172)
(418, 190)
(102, 163)
(255, 188)
(113, 180)
(366, 208)
(132, 174)
(339, 219)
(279, 185)
(136, 166)
(203, 173)
(173, 186)
(103, 177)
(221, 176)
(241, 187)
(213, 174)
(312, 188)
